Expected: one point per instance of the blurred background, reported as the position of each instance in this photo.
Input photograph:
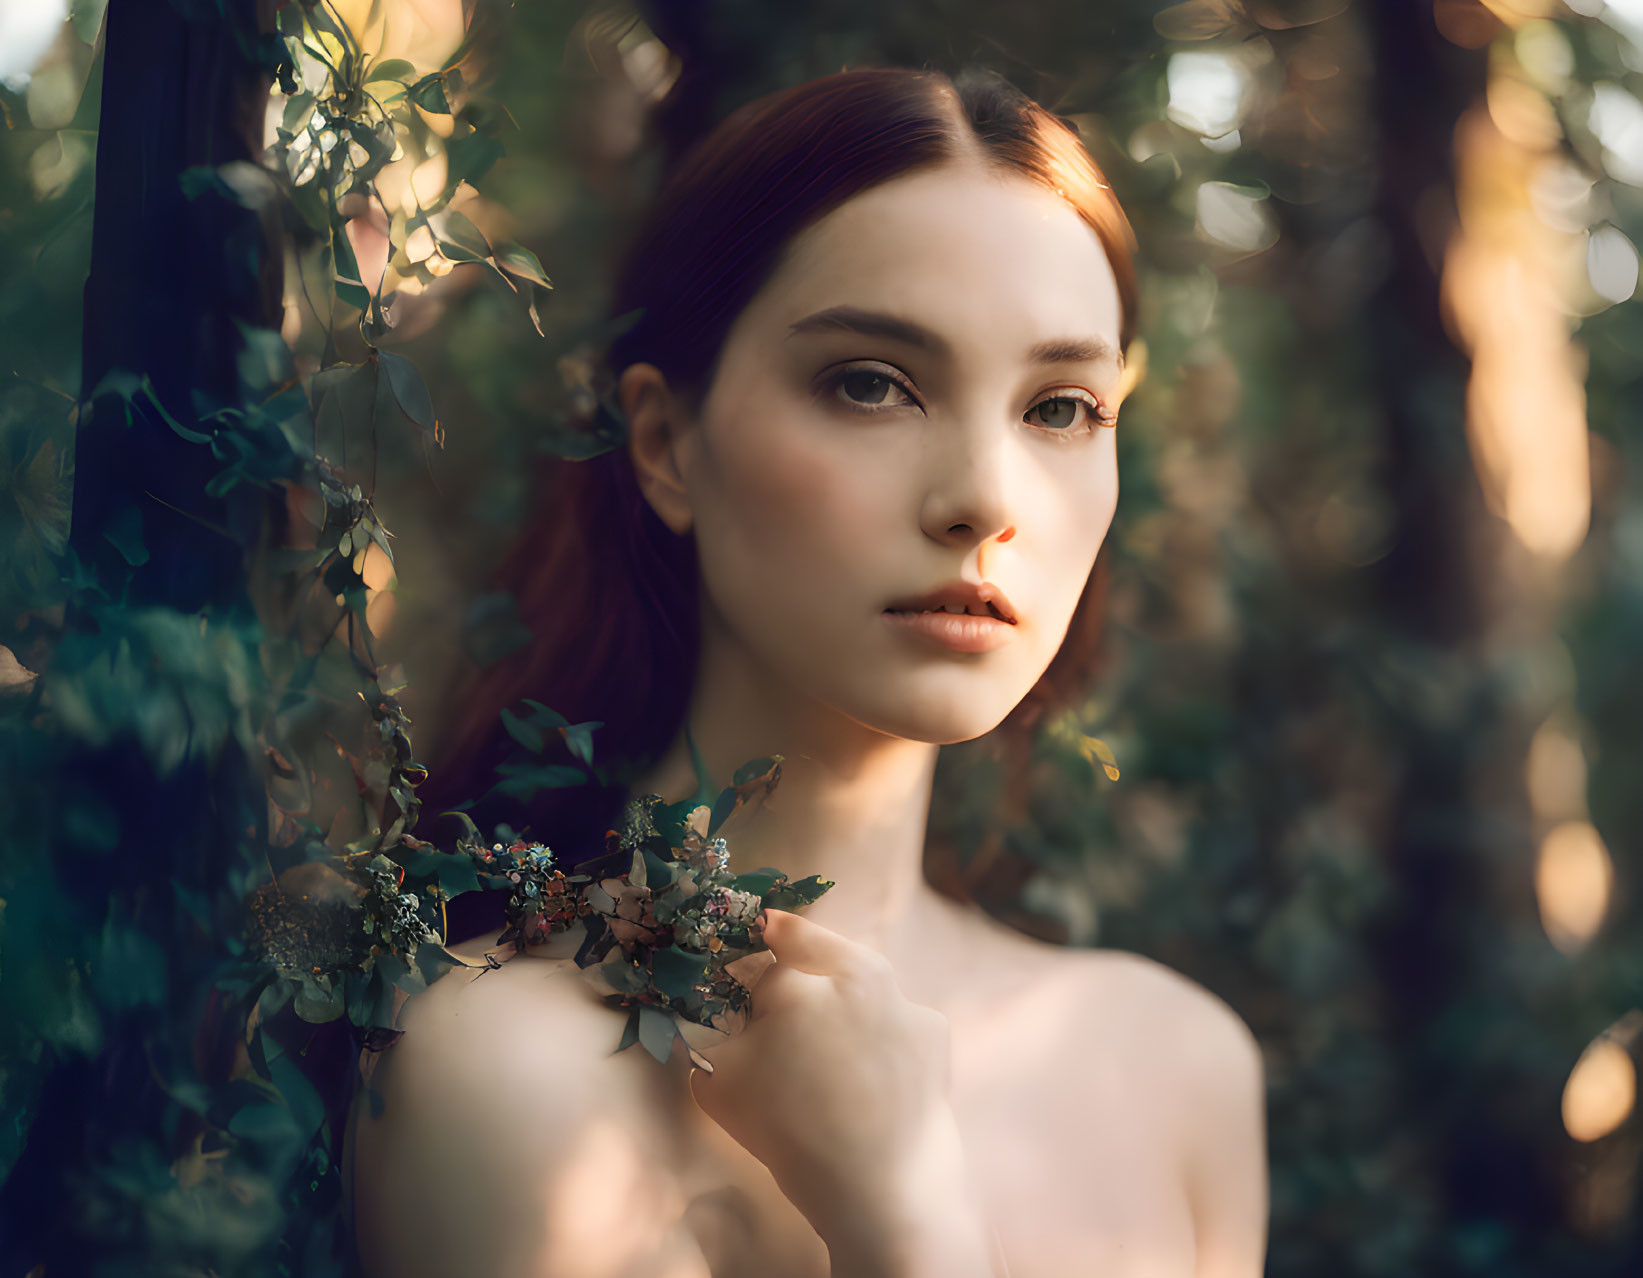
(1365, 760)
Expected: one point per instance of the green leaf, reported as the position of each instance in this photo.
(546, 714)
(657, 1032)
(791, 896)
(145, 388)
(263, 1122)
(429, 94)
(382, 1012)
(224, 481)
(273, 999)
(363, 990)
(87, 17)
(264, 361)
(322, 21)
(469, 829)
(403, 973)
(658, 873)
(521, 781)
(528, 735)
(351, 288)
(676, 971)
(434, 960)
(319, 999)
(297, 110)
(579, 738)
(623, 976)
(630, 1032)
(723, 806)
(753, 771)
(758, 882)
(380, 535)
(469, 157)
(453, 871)
(410, 392)
(197, 179)
(536, 315)
(519, 260)
(346, 396)
(389, 69)
(458, 874)
(460, 240)
(300, 1097)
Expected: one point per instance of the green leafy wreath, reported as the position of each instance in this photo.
(661, 912)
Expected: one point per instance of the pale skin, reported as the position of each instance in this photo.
(921, 1091)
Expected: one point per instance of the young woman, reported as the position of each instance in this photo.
(884, 318)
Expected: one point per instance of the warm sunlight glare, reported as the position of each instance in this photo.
(1601, 1091)
(586, 1228)
(1507, 280)
(27, 30)
(423, 32)
(1573, 880)
(381, 606)
(1555, 774)
(1513, 12)
(1207, 89)
(376, 569)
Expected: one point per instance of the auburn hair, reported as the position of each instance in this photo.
(607, 591)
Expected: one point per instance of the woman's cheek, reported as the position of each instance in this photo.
(787, 520)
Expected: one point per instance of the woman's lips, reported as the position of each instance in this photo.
(957, 631)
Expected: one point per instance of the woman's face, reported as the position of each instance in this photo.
(839, 468)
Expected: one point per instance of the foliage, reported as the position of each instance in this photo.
(1326, 671)
(138, 729)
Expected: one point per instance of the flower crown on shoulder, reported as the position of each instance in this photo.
(662, 919)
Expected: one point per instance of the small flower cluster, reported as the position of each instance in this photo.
(393, 917)
(679, 916)
(721, 908)
(658, 934)
(541, 901)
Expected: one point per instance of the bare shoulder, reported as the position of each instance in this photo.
(1205, 1067)
(1176, 1017)
(1192, 1027)
(1184, 1039)
(510, 1139)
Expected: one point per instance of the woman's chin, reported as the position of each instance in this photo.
(940, 727)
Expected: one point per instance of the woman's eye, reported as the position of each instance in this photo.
(1060, 414)
(862, 388)
(867, 390)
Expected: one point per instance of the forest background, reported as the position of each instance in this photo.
(1364, 758)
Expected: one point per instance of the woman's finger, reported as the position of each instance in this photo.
(781, 986)
(750, 968)
(810, 947)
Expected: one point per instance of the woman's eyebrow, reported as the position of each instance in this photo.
(853, 319)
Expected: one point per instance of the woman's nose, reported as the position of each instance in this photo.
(969, 496)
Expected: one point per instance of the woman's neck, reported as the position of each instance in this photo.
(851, 806)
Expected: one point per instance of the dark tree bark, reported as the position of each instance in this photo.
(1444, 852)
(171, 280)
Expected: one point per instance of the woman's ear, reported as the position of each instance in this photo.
(657, 431)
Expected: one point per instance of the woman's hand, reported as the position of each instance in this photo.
(839, 1085)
